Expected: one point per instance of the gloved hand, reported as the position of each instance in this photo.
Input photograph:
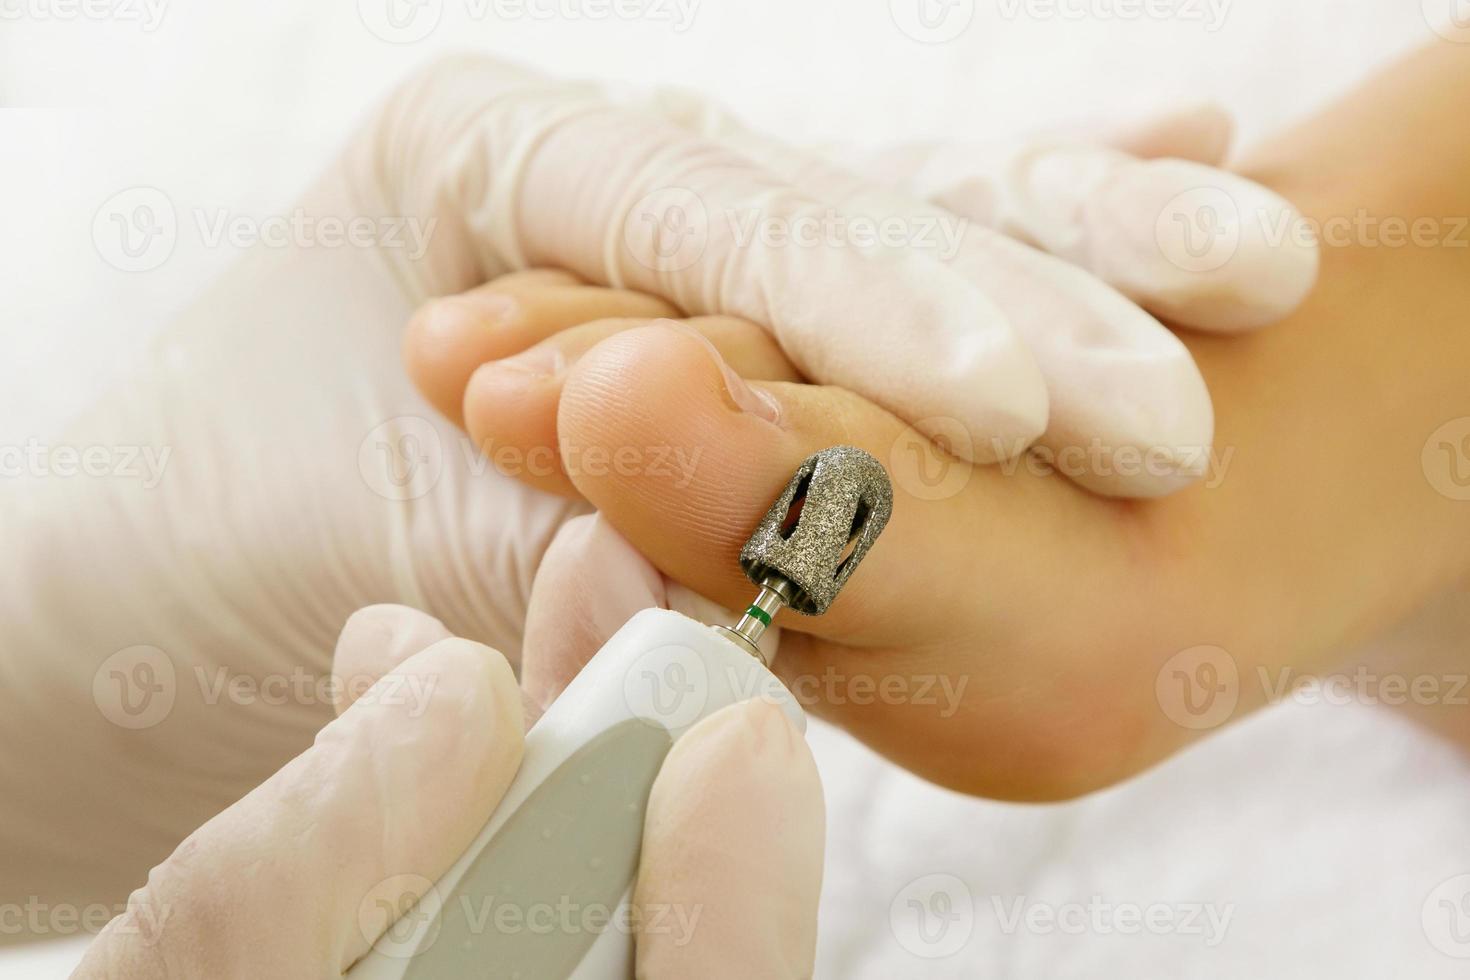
(303, 874)
(1146, 209)
(954, 327)
(165, 621)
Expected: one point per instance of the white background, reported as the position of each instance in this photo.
(1325, 829)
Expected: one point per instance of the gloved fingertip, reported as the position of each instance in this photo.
(375, 640)
(590, 582)
(459, 661)
(1202, 133)
(453, 707)
(954, 360)
(412, 772)
(1201, 247)
(732, 851)
(1137, 424)
(758, 733)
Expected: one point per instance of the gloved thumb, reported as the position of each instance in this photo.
(732, 847)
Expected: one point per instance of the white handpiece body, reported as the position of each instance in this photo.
(544, 891)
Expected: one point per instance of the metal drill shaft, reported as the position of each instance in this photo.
(758, 614)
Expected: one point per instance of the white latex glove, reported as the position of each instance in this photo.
(1145, 209)
(300, 876)
(168, 629)
(949, 343)
(1160, 225)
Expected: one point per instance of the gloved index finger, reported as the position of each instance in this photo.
(525, 173)
(853, 299)
(374, 641)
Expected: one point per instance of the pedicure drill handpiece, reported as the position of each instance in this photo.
(544, 891)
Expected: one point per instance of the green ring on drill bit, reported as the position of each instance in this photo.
(759, 614)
